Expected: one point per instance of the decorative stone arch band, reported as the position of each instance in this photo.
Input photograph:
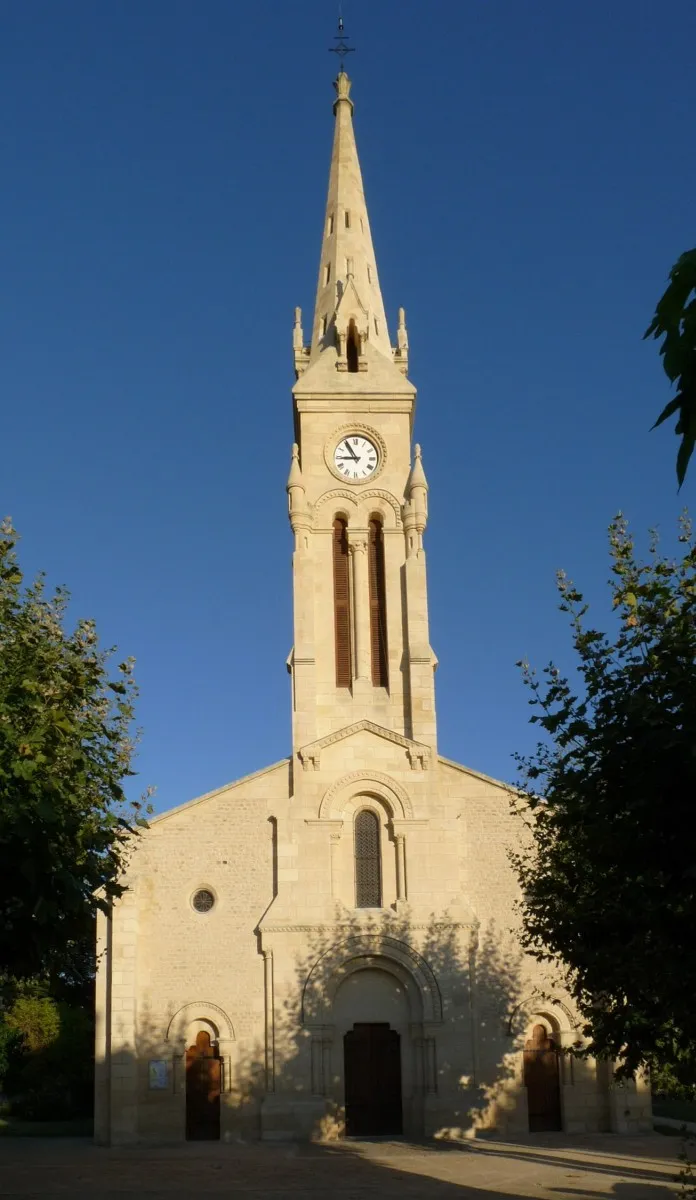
(199, 1011)
(392, 794)
(540, 1004)
(350, 502)
(358, 952)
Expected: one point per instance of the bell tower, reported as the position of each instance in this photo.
(358, 496)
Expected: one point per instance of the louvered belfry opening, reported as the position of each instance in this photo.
(378, 605)
(352, 347)
(368, 864)
(341, 580)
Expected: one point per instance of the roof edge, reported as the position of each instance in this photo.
(449, 762)
(171, 812)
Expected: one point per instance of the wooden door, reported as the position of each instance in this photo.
(202, 1091)
(542, 1082)
(372, 1065)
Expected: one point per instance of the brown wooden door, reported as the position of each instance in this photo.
(372, 1064)
(542, 1082)
(202, 1091)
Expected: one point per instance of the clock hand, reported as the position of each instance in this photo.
(352, 453)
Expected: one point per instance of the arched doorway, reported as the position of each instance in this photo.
(372, 1072)
(202, 1090)
(372, 1014)
(541, 1078)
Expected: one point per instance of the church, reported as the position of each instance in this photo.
(326, 948)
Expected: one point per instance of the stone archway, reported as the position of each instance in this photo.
(203, 1015)
(357, 951)
(372, 1006)
(202, 1040)
(542, 1080)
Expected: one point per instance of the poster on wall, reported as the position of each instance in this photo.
(157, 1074)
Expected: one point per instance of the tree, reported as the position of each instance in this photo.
(65, 750)
(609, 877)
(675, 318)
(47, 1067)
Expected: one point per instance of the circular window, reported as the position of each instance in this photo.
(203, 900)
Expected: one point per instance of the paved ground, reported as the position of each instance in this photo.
(549, 1166)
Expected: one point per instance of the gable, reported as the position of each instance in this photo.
(320, 754)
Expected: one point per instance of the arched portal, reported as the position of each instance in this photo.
(372, 1013)
(372, 1007)
(541, 1079)
(372, 1074)
(203, 1090)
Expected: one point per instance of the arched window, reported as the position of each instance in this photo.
(368, 864)
(352, 347)
(341, 584)
(378, 604)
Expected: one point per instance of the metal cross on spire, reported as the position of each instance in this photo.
(341, 38)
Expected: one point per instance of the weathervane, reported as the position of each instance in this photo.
(341, 49)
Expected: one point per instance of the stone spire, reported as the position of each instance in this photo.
(348, 292)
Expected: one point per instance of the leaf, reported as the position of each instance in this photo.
(667, 411)
(685, 451)
(607, 880)
(675, 320)
(66, 747)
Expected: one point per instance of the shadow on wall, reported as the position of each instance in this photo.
(463, 1063)
(467, 1063)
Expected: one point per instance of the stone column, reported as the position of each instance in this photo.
(124, 1049)
(361, 610)
(334, 839)
(400, 867)
(270, 1024)
(102, 1032)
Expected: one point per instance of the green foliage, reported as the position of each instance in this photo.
(609, 878)
(10, 1042)
(687, 1175)
(65, 750)
(49, 1064)
(666, 1084)
(675, 319)
(35, 1019)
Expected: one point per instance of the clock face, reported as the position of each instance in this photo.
(355, 457)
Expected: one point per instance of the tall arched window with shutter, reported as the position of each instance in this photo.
(341, 584)
(378, 605)
(368, 860)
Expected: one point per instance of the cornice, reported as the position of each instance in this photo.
(418, 753)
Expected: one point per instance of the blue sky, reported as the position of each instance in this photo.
(530, 175)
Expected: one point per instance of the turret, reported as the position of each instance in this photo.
(416, 506)
(297, 500)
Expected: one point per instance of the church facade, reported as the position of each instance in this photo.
(327, 947)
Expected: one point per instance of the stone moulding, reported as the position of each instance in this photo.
(199, 1010)
(383, 786)
(379, 950)
(355, 499)
(367, 431)
(540, 1002)
(323, 928)
(418, 753)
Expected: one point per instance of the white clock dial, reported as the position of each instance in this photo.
(355, 457)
